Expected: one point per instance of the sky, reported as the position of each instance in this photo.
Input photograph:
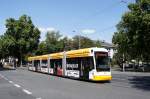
(95, 19)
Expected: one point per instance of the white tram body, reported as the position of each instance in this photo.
(88, 63)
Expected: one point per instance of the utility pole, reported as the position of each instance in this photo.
(123, 63)
(79, 41)
(79, 44)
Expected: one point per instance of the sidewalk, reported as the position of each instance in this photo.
(130, 73)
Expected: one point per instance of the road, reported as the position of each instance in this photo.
(24, 84)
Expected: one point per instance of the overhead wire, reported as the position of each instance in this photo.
(102, 11)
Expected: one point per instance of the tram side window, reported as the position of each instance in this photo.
(52, 63)
(72, 64)
(44, 64)
(56, 63)
(29, 63)
(60, 63)
(36, 63)
(87, 63)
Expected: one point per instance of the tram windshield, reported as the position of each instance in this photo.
(102, 61)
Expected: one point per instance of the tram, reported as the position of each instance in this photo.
(87, 64)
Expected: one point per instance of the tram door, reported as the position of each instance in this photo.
(36, 64)
(59, 67)
(86, 66)
(56, 64)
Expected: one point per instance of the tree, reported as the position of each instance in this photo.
(76, 42)
(24, 35)
(52, 41)
(85, 42)
(56, 43)
(133, 36)
(67, 43)
(97, 43)
(6, 43)
(42, 48)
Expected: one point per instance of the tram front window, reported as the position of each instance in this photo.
(102, 61)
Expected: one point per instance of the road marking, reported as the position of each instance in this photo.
(27, 92)
(1, 75)
(5, 78)
(16, 85)
(39, 98)
(11, 82)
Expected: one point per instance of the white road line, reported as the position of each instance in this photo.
(39, 98)
(16, 85)
(5, 78)
(11, 82)
(27, 92)
(2, 76)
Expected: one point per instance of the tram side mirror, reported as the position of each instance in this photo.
(91, 51)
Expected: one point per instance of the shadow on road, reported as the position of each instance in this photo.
(141, 82)
(77, 79)
(5, 69)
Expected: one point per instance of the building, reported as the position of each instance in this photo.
(110, 47)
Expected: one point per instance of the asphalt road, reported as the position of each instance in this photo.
(31, 85)
(10, 90)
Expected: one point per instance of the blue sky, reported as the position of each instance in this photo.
(95, 19)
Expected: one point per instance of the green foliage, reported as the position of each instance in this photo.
(6, 43)
(42, 49)
(52, 41)
(56, 43)
(76, 42)
(85, 42)
(21, 40)
(21, 37)
(97, 43)
(133, 36)
(67, 43)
